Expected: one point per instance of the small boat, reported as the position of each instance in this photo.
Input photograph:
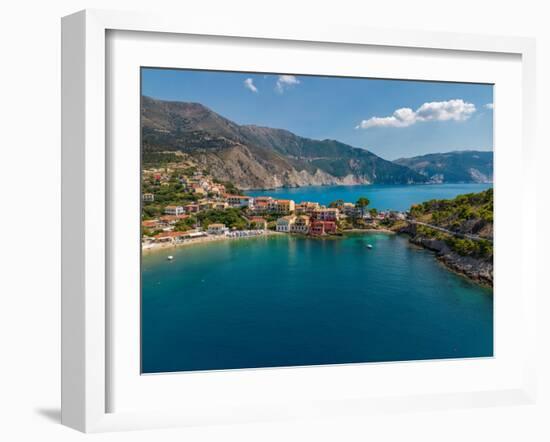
(369, 246)
(170, 258)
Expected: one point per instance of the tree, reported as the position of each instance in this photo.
(362, 203)
(183, 225)
(337, 203)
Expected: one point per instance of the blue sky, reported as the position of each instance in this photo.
(392, 118)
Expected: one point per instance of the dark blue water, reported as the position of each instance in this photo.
(382, 196)
(286, 301)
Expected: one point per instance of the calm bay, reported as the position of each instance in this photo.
(286, 301)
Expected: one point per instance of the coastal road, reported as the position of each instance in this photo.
(450, 232)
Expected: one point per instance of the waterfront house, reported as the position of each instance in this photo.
(217, 229)
(170, 237)
(174, 210)
(301, 225)
(319, 228)
(177, 237)
(258, 222)
(326, 214)
(148, 197)
(240, 201)
(285, 223)
(285, 206)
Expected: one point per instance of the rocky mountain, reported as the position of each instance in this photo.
(453, 167)
(254, 157)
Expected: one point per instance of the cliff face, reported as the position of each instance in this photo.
(261, 157)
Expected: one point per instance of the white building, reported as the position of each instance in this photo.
(285, 223)
(148, 197)
(217, 229)
(174, 210)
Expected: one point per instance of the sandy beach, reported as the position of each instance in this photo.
(201, 240)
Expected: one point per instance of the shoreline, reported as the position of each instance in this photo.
(475, 270)
(202, 240)
(220, 238)
(443, 259)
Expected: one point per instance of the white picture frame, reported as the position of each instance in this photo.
(86, 353)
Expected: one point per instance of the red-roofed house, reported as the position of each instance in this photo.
(322, 228)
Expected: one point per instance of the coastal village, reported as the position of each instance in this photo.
(182, 204)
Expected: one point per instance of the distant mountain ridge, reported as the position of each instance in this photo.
(254, 157)
(469, 166)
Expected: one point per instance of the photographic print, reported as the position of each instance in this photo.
(302, 220)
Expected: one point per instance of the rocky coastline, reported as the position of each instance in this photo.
(479, 270)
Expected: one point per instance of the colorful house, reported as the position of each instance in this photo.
(319, 228)
(301, 225)
(263, 204)
(326, 214)
(285, 206)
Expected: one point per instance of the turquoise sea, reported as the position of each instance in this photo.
(287, 301)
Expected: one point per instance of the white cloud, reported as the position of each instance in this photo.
(456, 110)
(489, 106)
(285, 81)
(249, 84)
